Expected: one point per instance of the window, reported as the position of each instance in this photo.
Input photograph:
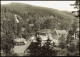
(20, 43)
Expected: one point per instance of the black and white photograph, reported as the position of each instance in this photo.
(40, 28)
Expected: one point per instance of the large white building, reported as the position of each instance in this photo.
(20, 46)
(53, 35)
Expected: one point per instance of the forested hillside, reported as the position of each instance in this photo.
(35, 14)
(40, 17)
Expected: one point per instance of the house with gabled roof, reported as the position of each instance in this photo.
(45, 34)
(54, 35)
(21, 45)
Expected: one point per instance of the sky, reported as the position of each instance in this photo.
(60, 5)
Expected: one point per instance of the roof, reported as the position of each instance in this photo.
(23, 29)
(61, 31)
(19, 40)
(31, 24)
(46, 31)
(22, 48)
(77, 29)
(43, 38)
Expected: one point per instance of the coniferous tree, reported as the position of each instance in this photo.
(48, 49)
(76, 6)
(62, 42)
(36, 47)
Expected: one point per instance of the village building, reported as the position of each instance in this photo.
(61, 32)
(53, 35)
(20, 41)
(21, 45)
(77, 32)
(44, 34)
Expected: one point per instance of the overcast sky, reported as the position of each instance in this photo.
(60, 5)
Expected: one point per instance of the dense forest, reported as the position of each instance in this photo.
(38, 17)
